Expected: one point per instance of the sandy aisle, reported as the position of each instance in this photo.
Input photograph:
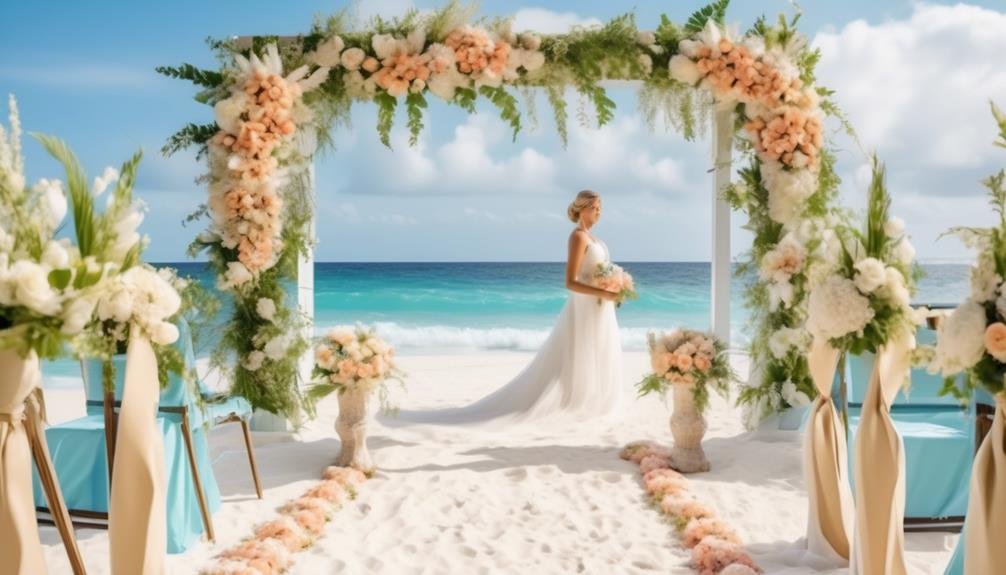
(544, 498)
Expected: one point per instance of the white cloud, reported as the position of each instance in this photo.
(548, 21)
(918, 89)
(85, 76)
(383, 8)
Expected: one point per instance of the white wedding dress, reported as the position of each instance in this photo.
(576, 373)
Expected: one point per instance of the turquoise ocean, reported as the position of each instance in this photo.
(428, 308)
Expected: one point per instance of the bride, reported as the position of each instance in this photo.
(578, 370)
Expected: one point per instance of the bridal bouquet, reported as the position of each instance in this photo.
(687, 357)
(973, 338)
(613, 278)
(351, 359)
(864, 303)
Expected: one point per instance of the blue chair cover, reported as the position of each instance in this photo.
(938, 434)
(79, 457)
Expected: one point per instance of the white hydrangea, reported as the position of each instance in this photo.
(836, 308)
(904, 251)
(275, 348)
(786, 338)
(894, 227)
(53, 201)
(787, 190)
(960, 339)
(984, 279)
(870, 275)
(794, 396)
(78, 314)
(266, 308)
(895, 289)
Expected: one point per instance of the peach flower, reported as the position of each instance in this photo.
(284, 530)
(684, 362)
(684, 507)
(330, 490)
(699, 529)
(703, 363)
(266, 556)
(348, 476)
(712, 555)
(995, 341)
(652, 462)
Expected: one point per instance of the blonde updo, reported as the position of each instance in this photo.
(583, 200)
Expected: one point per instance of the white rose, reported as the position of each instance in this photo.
(266, 308)
(645, 38)
(55, 255)
(164, 333)
(793, 396)
(117, 307)
(53, 202)
(353, 58)
(787, 190)
(77, 315)
(894, 227)
(236, 275)
(32, 289)
(254, 360)
(870, 275)
(684, 70)
(894, 288)
(904, 251)
(275, 348)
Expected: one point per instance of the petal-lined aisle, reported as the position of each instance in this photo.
(548, 498)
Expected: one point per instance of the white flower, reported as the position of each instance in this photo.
(787, 190)
(647, 63)
(327, 53)
(102, 182)
(352, 58)
(645, 38)
(904, 251)
(117, 307)
(894, 288)
(164, 333)
(684, 70)
(793, 396)
(55, 255)
(870, 275)
(266, 308)
(984, 279)
(125, 232)
(77, 315)
(275, 348)
(836, 308)
(530, 41)
(780, 294)
(237, 274)
(783, 261)
(53, 202)
(786, 338)
(228, 112)
(894, 227)
(446, 84)
(31, 287)
(1001, 302)
(960, 339)
(254, 360)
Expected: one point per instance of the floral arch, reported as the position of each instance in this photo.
(277, 100)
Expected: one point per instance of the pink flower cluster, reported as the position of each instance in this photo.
(792, 136)
(301, 520)
(613, 278)
(733, 69)
(475, 51)
(403, 71)
(348, 357)
(716, 547)
(683, 356)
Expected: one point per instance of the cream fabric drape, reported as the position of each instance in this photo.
(985, 532)
(879, 539)
(136, 518)
(825, 464)
(20, 546)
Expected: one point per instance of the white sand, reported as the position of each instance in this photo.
(544, 498)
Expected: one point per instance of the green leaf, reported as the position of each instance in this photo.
(716, 11)
(59, 279)
(80, 196)
(1001, 120)
(465, 98)
(558, 102)
(386, 104)
(198, 76)
(191, 134)
(506, 104)
(415, 103)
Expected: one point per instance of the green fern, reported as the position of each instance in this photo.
(197, 76)
(191, 134)
(558, 102)
(415, 103)
(386, 104)
(1001, 120)
(506, 104)
(716, 12)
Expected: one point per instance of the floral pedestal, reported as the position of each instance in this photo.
(688, 427)
(354, 410)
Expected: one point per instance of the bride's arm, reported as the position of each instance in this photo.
(577, 246)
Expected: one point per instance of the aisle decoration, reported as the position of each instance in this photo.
(689, 363)
(716, 547)
(355, 363)
(260, 221)
(272, 547)
(972, 341)
(863, 307)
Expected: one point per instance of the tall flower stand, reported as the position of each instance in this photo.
(688, 427)
(351, 425)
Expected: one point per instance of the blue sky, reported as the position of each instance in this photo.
(914, 78)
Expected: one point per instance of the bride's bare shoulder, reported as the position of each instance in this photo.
(578, 236)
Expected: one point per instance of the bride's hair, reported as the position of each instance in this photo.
(583, 200)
